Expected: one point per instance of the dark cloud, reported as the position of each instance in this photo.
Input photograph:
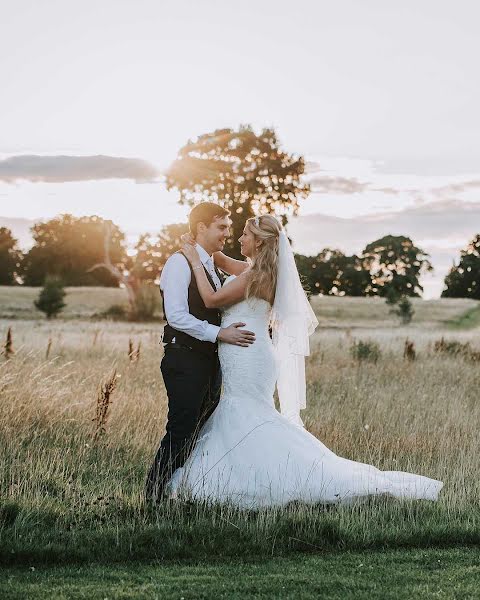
(60, 169)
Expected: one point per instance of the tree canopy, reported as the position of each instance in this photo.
(10, 257)
(463, 280)
(50, 300)
(151, 253)
(395, 263)
(331, 272)
(68, 247)
(247, 173)
(390, 266)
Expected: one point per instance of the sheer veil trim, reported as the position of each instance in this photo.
(293, 322)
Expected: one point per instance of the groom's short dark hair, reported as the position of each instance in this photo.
(205, 212)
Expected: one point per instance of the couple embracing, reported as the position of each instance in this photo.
(229, 342)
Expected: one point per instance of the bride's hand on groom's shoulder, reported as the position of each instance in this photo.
(191, 254)
(187, 238)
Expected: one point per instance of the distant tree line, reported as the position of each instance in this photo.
(10, 257)
(463, 279)
(67, 248)
(250, 174)
(388, 267)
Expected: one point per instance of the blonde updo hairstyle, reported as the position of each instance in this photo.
(262, 276)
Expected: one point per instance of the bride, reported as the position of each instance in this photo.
(248, 454)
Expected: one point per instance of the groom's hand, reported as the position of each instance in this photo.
(233, 335)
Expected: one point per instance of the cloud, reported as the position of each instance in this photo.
(446, 223)
(455, 188)
(60, 169)
(337, 185)
(386, 190)
(323, 183)
(332, 180)
(312, 166)
(348, 176)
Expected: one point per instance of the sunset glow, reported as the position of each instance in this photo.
(380, 98)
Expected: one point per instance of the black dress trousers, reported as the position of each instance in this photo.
(193, 382)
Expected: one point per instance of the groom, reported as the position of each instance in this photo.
(190, 366)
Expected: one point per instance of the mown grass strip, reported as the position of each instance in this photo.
(468, 320)
(198, 532)
(389, 575)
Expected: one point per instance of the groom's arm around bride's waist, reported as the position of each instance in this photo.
(174, 283)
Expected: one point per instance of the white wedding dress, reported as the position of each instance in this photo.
(250, 456)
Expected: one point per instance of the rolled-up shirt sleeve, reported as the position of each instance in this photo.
(174, 282)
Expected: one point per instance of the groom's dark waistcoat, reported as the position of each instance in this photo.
(198, 309)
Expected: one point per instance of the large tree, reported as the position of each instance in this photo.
(463, 280)
(247, 173)
(395, 265)
(331, 272)
(352, 277)
(152, 253)
(67, 247)
(10, 257)
(318, 273)
(142, 269)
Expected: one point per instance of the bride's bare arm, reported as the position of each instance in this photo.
(232, 292)
(229, 265)
(221, 260)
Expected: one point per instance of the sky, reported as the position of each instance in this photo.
(380, 97)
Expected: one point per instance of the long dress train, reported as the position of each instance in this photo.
(250, 456)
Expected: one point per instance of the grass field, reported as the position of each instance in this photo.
(66, 499)
(390, 575)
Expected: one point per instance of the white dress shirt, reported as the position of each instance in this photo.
(174, 282)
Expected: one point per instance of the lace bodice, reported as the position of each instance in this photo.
(253, 310)
(251, 369)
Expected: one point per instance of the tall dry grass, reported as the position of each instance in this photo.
(66, 493)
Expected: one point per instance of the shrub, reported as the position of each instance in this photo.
(392, 296)
(452, 347)
(117, 312)
(365, 351)
(50, 300)
(401, 306)
(404, 310)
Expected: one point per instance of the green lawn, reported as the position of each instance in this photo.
(453, 573)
